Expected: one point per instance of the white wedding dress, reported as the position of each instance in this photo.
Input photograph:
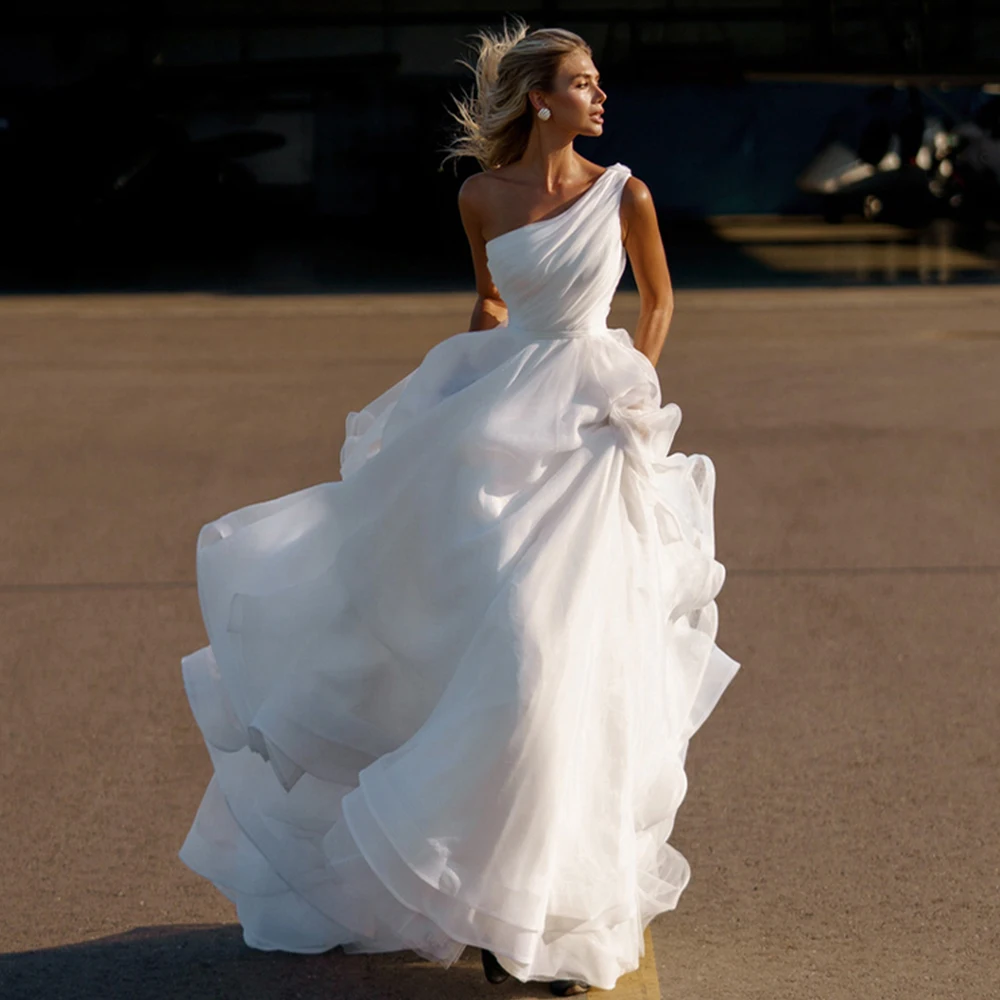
(448, 697)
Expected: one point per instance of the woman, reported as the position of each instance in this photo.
(448, 697)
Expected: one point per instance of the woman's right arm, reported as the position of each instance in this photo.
(490, 310)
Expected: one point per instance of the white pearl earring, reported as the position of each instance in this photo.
(544, 114)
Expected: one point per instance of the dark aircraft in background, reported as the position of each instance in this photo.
(910, 159)
(104, 161)
(101, 156)
(95, 162)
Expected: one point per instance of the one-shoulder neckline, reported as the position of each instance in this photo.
(564, 211)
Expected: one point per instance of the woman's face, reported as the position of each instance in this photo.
(576, 99)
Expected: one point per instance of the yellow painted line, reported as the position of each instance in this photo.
(933, 261)
(806, 245)
(643, 984)
(754, 229)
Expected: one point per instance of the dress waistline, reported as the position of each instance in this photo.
(559, 334)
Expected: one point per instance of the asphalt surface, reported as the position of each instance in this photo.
(841, 814)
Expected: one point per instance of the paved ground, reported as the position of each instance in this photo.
(840, 819)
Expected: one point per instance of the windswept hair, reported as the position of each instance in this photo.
(495, 119)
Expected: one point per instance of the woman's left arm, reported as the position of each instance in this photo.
(641, 236)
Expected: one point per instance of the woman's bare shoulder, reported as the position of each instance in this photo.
(637, 205)
(478, 192)
(636, 194)
(485, 183)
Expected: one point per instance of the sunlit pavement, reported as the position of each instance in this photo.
(839, 818)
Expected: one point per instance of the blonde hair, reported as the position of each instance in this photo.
(495, 119)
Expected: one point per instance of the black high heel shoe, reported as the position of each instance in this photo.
(568, 987)
(495, 972)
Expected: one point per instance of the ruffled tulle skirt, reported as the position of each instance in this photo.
(448, 697)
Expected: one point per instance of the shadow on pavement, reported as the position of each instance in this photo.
(206, 962)
(356, 257)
